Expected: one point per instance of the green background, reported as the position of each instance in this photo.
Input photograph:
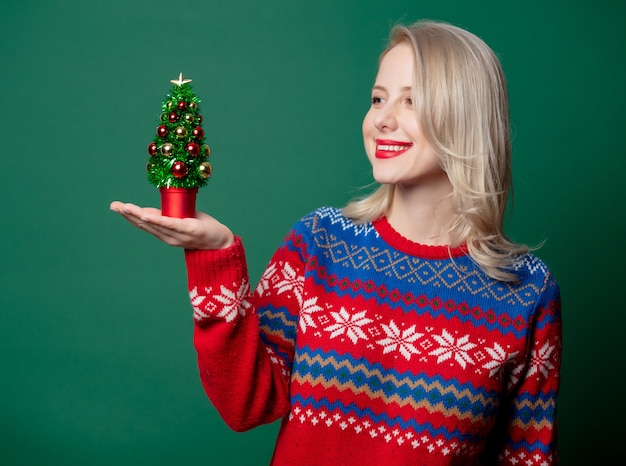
(97, 364)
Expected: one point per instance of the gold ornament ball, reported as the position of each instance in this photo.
(189, 118)
(167, 149)
(193, 106)
(205, 170)
(206, 150)
(180, 132)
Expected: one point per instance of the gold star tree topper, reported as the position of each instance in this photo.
(180, 81)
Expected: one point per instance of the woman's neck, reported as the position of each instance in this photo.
(422, 215)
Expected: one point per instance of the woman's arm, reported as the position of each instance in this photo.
(244, 361)
(244, 339)
(527, 421)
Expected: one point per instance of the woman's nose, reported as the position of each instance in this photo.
(385, 118)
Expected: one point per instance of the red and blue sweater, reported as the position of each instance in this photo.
(375, 350)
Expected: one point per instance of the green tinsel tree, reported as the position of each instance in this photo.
(178, 154)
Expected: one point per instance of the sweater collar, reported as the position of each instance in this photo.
(425, 251)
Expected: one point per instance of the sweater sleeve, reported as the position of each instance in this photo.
(245, 339)
(529, 413)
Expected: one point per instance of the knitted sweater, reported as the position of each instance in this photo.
(375, 350)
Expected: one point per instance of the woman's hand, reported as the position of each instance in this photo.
(201, 232)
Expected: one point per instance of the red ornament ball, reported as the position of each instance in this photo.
(161, 131)
(198, 132)
(199, 119)
(193, 149)
(182, 105)
(173, 117)
(152, 149)
(179, 169)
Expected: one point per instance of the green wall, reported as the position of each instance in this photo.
(97, 364)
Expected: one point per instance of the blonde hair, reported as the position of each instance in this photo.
(461, 103)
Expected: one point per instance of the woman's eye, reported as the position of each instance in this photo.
(409, 101)
(376, 100)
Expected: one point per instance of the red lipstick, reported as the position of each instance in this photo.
(387, 148)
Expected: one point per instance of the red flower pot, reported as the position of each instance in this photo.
(178, 202)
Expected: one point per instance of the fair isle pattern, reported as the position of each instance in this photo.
(379, 430)
(531, 264)
(521, 458)
(335, 218)
(230, 302)
(389, 352)
(417, 391)
(430, 348)
(446, 273)
(443, 346)
(433, 443)
(423, 304)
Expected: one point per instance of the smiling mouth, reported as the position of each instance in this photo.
(390, 149)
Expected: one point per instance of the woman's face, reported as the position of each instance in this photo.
(394, 142)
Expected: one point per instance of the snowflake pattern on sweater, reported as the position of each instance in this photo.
(376, 350)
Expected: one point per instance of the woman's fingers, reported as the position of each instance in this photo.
(167, 236)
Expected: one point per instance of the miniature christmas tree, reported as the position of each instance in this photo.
(178, 163)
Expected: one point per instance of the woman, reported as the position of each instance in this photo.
(404, 329)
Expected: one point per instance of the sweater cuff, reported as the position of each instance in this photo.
(205, 267)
